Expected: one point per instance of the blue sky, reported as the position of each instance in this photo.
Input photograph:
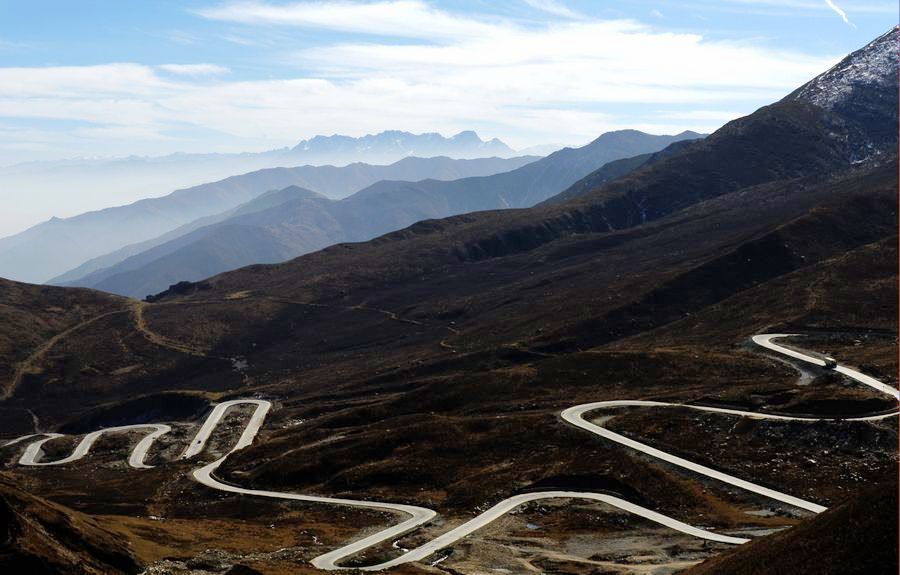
(112, 78)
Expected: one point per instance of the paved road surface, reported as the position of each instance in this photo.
(35, 451)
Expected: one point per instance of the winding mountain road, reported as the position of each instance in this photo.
(34, 451)
(417, 516)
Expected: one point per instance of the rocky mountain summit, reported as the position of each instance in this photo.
(861, 89)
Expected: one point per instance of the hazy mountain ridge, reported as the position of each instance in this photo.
(241, 236)
(394, 144)
(305, 224)
(92, 184)
(614, 170)
(59, 245)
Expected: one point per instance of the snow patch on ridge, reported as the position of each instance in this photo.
(873, 65)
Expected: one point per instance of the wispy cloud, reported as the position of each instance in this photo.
(195, 70)
(183, 38)
(396, 18)
(10, 45)
(837, 9)
(563, 79)
(554, 7)
(882, 7)
(240, 40)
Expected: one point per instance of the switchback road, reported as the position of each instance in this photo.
(414, 516)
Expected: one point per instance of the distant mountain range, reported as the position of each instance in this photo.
(392, 145)
(58, 245)
(281, 225)
(92, 183)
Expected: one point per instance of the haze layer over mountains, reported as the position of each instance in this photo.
(142, 248)
(58, 245)
(95, 183)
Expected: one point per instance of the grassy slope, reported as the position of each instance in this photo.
(857, 537)
(43, 538)
(32, 318)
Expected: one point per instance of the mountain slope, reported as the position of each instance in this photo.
(861, 88)
(531, 184)
(307, 224)
(613, 171)
(248, 234)
(41, 538)
(33, 318)
(58, 245)
(857, 537)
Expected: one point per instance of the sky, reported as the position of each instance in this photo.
(95, 78)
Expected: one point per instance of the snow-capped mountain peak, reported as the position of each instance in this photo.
(874, 65)
(392, 145)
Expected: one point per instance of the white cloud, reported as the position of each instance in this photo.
(706, 116)
(529, 84)
(598, 61)
(182, 38)
(240, 40)
(656, 13)
(398, 18)
(554, 7)
(194, 69)
(837, 9)
(76, 81)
